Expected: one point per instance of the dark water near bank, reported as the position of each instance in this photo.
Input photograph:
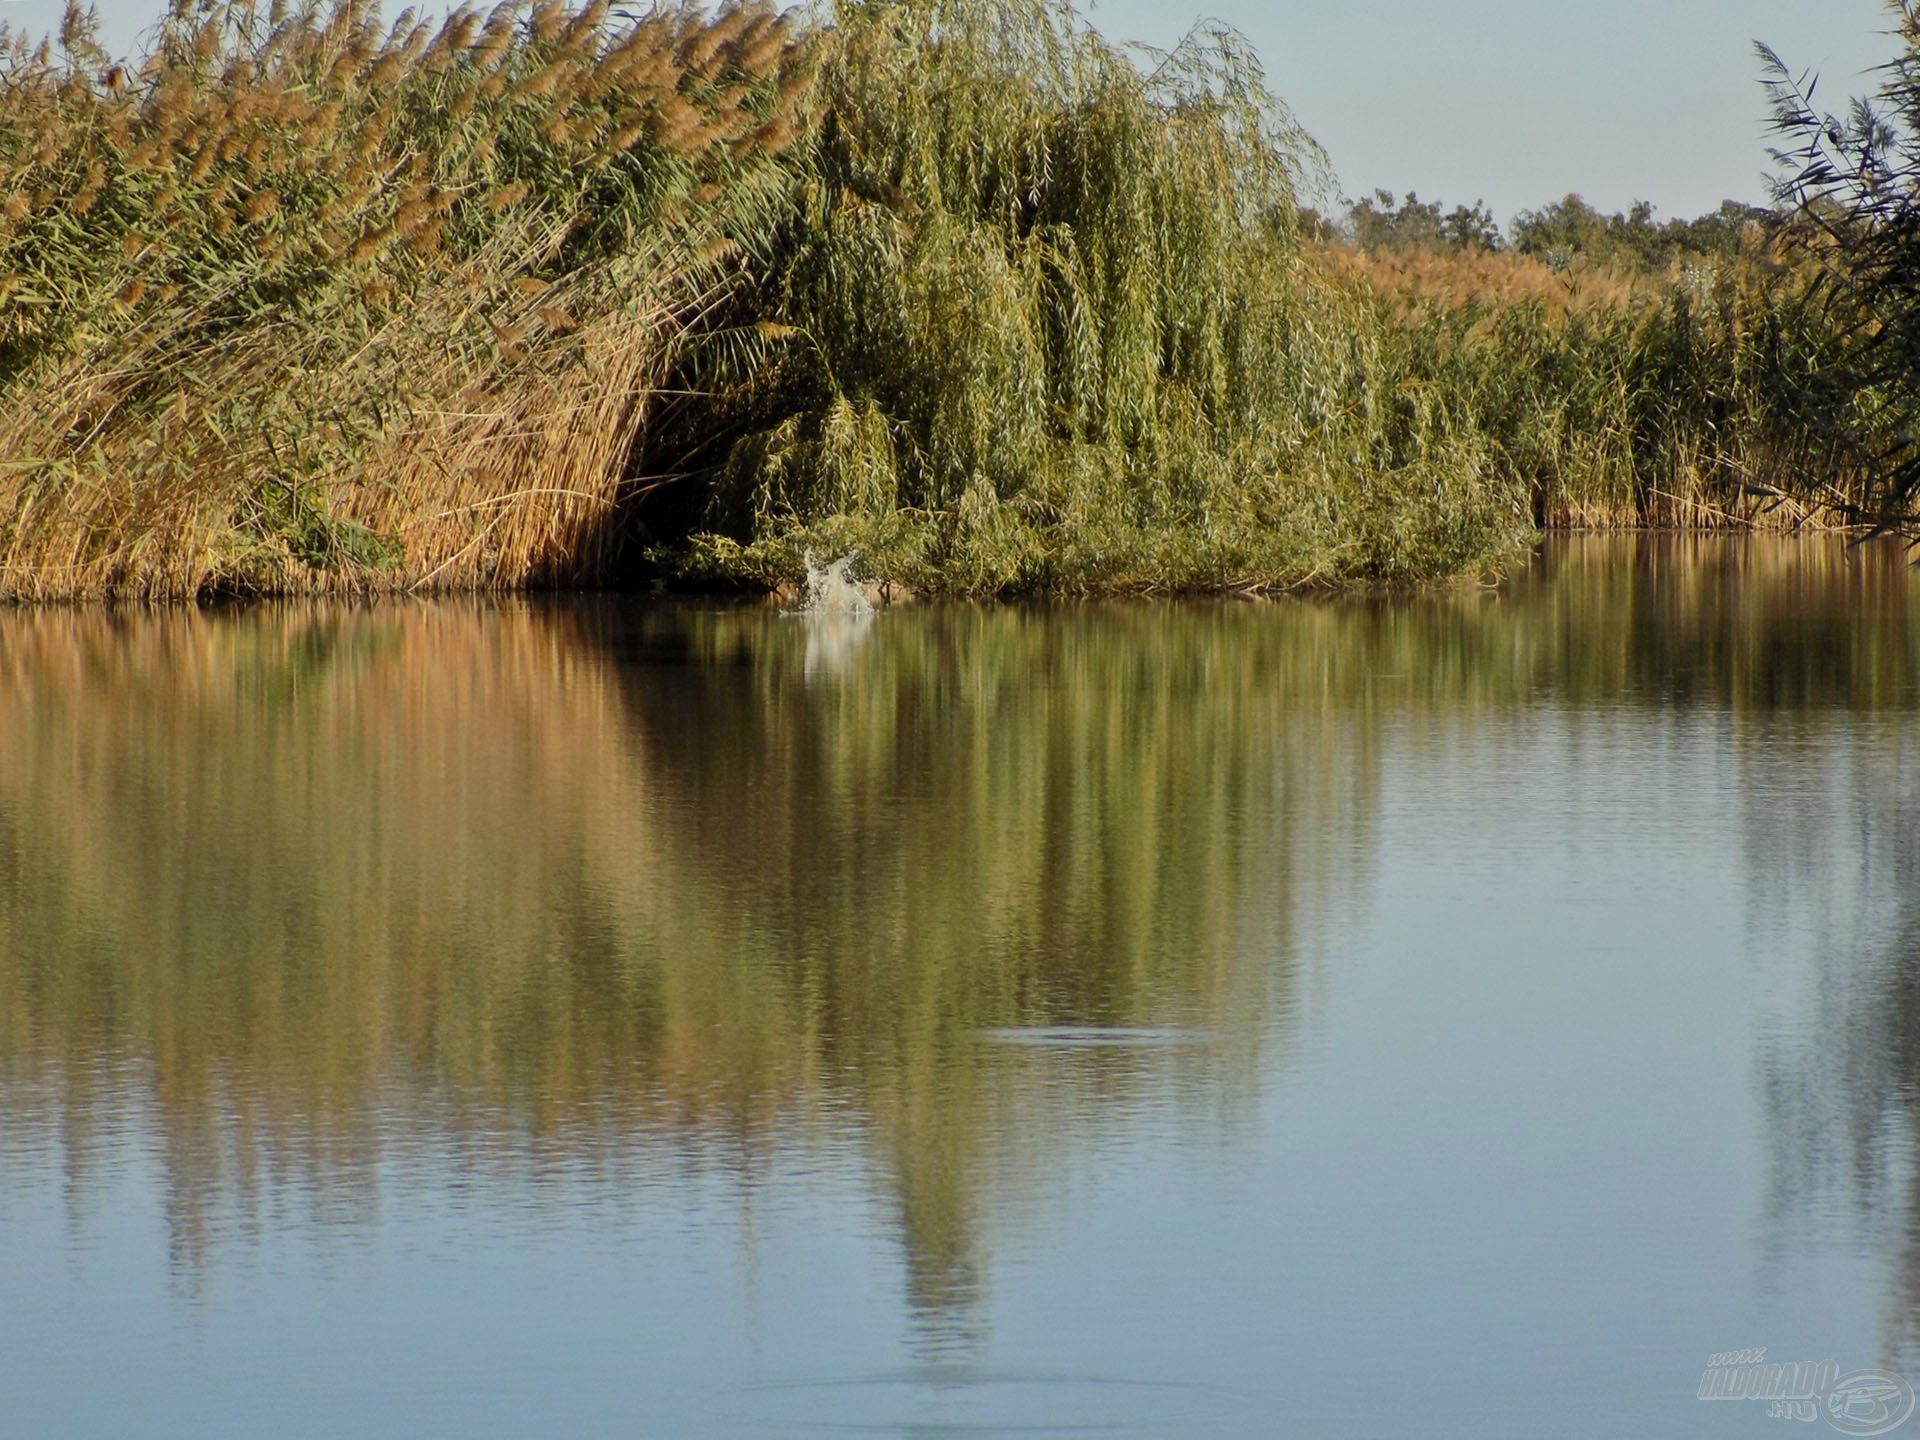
(1457, 1017)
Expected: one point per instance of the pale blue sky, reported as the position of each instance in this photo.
(1514, 101)
(1520, 101)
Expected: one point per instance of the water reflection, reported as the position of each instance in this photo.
(1841, 1073)
(496, 887)
(320, 901)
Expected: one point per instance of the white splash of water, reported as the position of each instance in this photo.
(838, 616)
(830, 592)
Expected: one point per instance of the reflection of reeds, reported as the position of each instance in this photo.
(1839, 1084)
(588, 882)
(433, 873)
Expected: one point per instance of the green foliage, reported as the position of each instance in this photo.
(1570, 229)
(298, 301)
(1854, 183)
(1033, 327)
(1378, 222)
(1566, 232)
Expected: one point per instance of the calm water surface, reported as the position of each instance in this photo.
(1454, 1017)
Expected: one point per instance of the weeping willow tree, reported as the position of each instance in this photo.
(1040, 320)
(1854, 181)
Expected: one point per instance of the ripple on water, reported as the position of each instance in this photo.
(1098, 1036)
(969, 1402)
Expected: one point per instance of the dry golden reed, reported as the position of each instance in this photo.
(247, 342)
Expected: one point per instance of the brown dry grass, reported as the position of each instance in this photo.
(301, 304)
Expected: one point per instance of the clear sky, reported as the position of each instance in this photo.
(1520, 101)
(1513, 101)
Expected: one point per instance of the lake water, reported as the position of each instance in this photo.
(1447, 1017)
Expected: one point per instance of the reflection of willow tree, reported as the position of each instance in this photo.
(964, 819)
(296, 889)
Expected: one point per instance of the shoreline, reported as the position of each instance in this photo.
(884, 595)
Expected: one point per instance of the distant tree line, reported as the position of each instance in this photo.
(1558, 233)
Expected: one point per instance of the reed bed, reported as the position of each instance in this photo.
(1701, 397)
(298, 302)
(301, 302)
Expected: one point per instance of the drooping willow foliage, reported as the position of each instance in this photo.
(1854, 179)
(1040, 320)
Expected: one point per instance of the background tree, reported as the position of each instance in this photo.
(1380, 223)
(1571, 228)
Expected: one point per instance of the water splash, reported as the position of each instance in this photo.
(838, 616)
(830, 592)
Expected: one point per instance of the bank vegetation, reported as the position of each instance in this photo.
(300, 301)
